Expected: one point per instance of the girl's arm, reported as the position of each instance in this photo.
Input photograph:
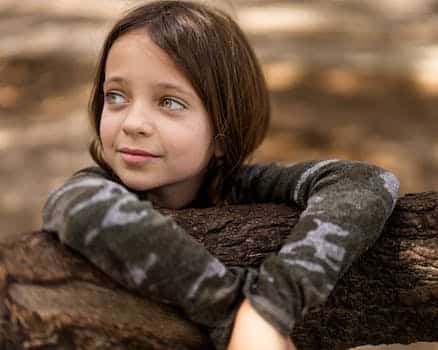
(249, 323)
(144, 250)
(346, 205)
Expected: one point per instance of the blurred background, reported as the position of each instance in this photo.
(353, 79)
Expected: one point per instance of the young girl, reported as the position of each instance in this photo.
(179, 103)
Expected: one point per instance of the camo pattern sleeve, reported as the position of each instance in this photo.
(345, 207)
(144, 250)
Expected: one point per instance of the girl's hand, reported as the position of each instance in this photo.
(252, 332)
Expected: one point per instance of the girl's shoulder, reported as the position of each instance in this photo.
(97, 173)
(294, 182)
(307, 167)
(94, 171)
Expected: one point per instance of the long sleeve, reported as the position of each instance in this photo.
(144, 250)
(346, 205)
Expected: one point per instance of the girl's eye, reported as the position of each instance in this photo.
(113, 98)
(172, 104)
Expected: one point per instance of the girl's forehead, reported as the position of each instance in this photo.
(135, 54)
(138, 45)
(135, 60)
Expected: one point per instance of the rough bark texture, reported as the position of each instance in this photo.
(50, 298)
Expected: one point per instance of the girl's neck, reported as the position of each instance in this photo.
(175, 196)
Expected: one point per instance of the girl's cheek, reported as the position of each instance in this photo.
(107, 131)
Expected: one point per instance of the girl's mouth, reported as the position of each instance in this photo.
(136, 156)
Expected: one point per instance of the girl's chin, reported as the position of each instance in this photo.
(137, 187)
(135, 184)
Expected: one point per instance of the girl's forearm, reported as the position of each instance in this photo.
(346, 204)
(144, 250)
(252, 332)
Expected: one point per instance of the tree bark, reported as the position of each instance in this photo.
(51, 298)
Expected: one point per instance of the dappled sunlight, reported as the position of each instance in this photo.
(400, 8)
(68, 128)
(425, 71)
(356, 45)
(8, 97)
(43, 39)
(48, 85)
(7, 139)
(349, 79)
(60, 8)
(281, 18)
(361, 75)
(282, 75)
(342, 81)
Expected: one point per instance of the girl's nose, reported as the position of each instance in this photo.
(137, 123)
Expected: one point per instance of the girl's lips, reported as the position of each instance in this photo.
(136, 152)
(136, 156)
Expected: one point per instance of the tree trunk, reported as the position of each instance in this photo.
(51, 298)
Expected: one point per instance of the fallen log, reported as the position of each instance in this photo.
(51, 298)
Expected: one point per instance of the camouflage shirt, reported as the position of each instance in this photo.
(345, 207)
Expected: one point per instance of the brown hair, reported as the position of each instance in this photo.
(213, 52)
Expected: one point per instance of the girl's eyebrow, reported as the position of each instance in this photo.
(159, 85)
(116, 80)
(176, 88)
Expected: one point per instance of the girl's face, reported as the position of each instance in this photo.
(155, 132)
